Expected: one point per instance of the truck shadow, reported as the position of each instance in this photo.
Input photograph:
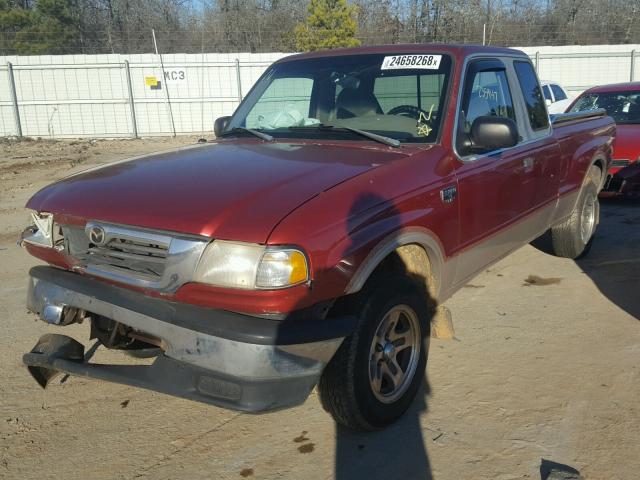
(613, 264)
(399, 451)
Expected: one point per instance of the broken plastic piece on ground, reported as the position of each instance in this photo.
(442, 324)
(50, 346)
(557, 471)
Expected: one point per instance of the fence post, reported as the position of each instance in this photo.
(537, 64)
(239, 82)
(633, 65)
(131, 102)
(14, 99)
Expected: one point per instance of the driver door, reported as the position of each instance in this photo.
(494, 187)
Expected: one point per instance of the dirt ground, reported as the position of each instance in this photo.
(545, 366)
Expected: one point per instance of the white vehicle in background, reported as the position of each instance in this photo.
(557, 98)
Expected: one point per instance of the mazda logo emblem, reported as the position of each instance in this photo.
(97, 235)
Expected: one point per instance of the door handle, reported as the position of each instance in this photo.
(449, 194)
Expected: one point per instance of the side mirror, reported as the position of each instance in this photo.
(492, 133)
(220, 125)
(548, 101)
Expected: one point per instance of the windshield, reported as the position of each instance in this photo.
(624, 107)
(396, 96)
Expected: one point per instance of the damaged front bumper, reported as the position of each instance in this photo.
(623, 183)
(232, 360)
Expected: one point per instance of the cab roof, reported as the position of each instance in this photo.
(456, 51)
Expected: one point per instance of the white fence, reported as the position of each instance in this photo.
(580, 67)
(70, 96)
(122, 96)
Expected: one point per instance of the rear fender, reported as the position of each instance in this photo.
(596, 152)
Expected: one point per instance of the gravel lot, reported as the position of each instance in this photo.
(545, 366)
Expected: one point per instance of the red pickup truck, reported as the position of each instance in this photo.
(350, 193)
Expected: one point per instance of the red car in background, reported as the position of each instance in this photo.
(622, 102)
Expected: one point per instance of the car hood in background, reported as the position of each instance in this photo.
(236, 190)
(560, 106)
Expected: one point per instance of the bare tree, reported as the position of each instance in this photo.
(124, 26)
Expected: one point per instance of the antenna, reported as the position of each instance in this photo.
(164, 79)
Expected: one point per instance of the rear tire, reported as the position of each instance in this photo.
(573, 237)
(375, 374)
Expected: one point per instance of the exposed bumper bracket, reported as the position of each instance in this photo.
(222, 358)
(55, 354)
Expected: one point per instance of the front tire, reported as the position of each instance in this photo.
(375, 375)
(573, 237)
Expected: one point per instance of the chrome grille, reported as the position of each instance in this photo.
(140, 258)
(134, 256)
(613, 184)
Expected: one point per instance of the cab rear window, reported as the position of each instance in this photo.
(532, 94)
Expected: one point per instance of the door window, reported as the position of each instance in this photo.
(532, 94)
(547, 93)
(489, 96)
(486, 94)
(558, 93)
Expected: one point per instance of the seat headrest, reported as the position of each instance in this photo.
(634, 112)
(356, 103)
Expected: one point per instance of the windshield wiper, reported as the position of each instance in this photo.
(256, 133)
(392, 142)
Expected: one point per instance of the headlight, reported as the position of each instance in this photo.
(249, 266)
(282, 268)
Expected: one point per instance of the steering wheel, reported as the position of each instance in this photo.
(409, 111)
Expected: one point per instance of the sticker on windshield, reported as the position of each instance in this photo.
(397, 62)
(423, 127)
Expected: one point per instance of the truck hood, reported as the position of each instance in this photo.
(234, 190)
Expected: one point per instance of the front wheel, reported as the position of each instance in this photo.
(573, 237)
(376, 373)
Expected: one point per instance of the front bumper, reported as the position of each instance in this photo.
(227, 359)
(623, 183)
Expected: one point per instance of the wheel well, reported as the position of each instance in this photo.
(598, 163)
(411, 260)
(414, 253)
